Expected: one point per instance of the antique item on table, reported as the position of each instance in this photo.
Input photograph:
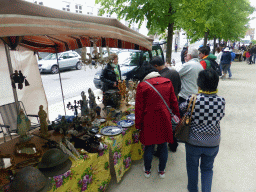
(54, 162)
(84, 104)
(132, 87)
(43, 122)
(65, 150)
(111, 130)
(102, 120)
(23, 126)
(6, 162)
(122, 89)
(30, 179)
(77, 105)
(89, 143)
(50, 143)
(64, 126)
(98, 111)
(118, 115)
(112, 98)
(71, 147)
(30, 162)
(18, 77)
(131, 116)
(125, 123)
(94, 130)
(26, 149)
(92, 101)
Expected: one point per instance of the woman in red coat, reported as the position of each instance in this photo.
(152, 117)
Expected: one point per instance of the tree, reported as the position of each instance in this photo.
(159, 15)
(211, 19)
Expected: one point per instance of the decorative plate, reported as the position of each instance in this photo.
(131, 117)
(111, 130)
(125, 123)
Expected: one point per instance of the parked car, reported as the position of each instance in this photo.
(130, 60)
(67, 60)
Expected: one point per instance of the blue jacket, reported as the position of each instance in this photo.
(225, 58)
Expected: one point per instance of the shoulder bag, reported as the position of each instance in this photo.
(175, 119)
(182, 129)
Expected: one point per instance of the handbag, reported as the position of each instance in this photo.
(175, 119)
(182, 129)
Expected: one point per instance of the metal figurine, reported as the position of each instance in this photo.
(23, 126)
(43, 122)
(77, 105)
(84, 105)
(92, 101)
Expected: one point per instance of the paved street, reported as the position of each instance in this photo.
(235, 165)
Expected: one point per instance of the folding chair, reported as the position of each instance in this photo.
(8, 115)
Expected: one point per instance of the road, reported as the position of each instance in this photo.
(73, 83)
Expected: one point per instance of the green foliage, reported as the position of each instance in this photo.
(253, 42)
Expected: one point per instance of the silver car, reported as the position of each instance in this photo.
(67, 60)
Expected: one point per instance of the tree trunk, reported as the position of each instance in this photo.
(206, 37)
(214, 45)
(169, 43)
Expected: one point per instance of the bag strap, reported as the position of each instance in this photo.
(160, 96)
(193, 98)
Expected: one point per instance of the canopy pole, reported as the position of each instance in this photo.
(61, 84)
(15, 95)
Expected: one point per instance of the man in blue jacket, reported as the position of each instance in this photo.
(233, 56)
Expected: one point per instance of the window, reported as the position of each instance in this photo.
(66, 6)
(90, 10)
(40, 3)
(79, 8)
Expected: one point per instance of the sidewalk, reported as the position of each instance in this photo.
(235, 165)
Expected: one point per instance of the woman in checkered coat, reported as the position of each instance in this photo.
(204, 135)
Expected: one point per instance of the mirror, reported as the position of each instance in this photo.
(27, 149)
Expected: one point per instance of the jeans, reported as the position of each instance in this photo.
(229, 71)
(207, 155)
(254, 55)
(148, 156)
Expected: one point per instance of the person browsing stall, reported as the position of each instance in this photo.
(204, 134)
(152, 116)
(111, 74)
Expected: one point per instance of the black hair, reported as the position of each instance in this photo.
(144, 70)
(157, 61)
(208, 80)
(205, 50)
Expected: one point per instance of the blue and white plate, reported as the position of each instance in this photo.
(131, 117)
(111, 130)
(125, 123)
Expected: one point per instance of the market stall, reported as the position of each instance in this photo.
(31, 28)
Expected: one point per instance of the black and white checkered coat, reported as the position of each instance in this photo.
(205, 124)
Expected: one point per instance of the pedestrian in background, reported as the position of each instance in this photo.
(176, 47)
(218, 54)
(247, 55)
(204, 134)
(183, 54)
(153, 118)
(225, 62)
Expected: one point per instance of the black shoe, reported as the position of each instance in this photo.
(156, 154)
(173, 147)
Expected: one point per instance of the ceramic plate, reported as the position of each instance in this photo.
(125, 123)
(131, 117)
(111, 130)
